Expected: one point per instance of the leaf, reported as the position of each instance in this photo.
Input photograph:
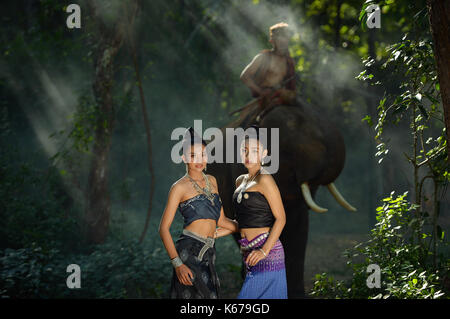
(367, 119)
(431, 98)
(437, 294)
(423, 111)
(363, 12)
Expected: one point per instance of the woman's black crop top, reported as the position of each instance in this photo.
(253, 211)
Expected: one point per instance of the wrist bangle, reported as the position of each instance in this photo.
(263, 252)
(176, 262)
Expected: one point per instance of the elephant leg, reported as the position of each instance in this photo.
(294, 238)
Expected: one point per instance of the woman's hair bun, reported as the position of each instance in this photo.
(191, 137)
(257, 134)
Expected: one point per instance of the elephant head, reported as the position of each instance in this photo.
(311, 149)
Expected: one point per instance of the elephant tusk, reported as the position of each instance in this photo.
(333, 190)
(307, 195)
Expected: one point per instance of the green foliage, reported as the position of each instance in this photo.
(125, 269)
(40, 236)
(117, 269)
(34, 206)
(325, 286)
(31, 272)
(407, 242)
(84, 124)
(412, 93)
(406, 269)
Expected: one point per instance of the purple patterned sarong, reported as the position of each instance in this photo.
(267, 279)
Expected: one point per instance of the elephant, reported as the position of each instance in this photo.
(311, 154)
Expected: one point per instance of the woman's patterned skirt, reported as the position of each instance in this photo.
(199, 256)
(266, 279)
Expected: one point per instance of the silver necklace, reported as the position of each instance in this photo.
(201, 190)
(244, 187)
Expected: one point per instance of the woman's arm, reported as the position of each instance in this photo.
(221, 232)
(273, 196)
(175, 195)
(183, 272)
(226, 225)
(249, 71)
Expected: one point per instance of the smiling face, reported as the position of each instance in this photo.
(196, 157)
(252, 152)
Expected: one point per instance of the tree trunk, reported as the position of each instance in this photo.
(439, 14)
(132, 47)
(108, 41)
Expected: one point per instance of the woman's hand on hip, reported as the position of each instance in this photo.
(254, 257)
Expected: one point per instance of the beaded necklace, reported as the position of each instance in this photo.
(206, 190)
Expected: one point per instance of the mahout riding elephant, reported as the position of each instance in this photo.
(311, 154)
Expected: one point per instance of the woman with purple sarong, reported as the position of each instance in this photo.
(261, 217)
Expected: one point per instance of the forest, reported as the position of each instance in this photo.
(87, 113)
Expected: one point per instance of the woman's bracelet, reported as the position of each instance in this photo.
(176, 262)
(262, 250)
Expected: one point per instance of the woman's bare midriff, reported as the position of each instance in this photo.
(251, 233)
(202, 227)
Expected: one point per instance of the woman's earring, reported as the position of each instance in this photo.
(262, 161)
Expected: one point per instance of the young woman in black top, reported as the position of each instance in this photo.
(261, 218)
